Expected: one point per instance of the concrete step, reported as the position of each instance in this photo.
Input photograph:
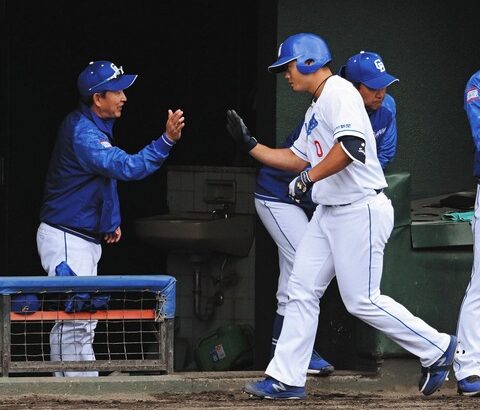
(394, 375)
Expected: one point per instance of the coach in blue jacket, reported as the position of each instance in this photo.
(80, 207)
(367, 72)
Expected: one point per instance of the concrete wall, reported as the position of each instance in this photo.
(232, 276)
(432, 49)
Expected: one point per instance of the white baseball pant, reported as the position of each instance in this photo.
(467, 360)
(69, 341)
(286, 224)
(346, 241)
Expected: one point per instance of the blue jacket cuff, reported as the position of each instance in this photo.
(163, 144)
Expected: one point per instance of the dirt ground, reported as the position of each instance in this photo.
(405, 400)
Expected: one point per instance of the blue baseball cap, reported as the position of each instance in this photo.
(25, 303)
(100, 76)
(367, 68)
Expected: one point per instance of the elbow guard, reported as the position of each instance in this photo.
(354, 147)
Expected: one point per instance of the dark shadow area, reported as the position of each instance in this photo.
(198, 56)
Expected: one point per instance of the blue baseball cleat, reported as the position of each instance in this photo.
(270, 388)
(434, 376)
(470, 386)
(319, 365)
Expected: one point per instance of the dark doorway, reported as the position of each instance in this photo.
(200, 56)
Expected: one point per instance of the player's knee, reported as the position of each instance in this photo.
(358, 306)
(281, 308)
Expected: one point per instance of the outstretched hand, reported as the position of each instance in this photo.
(175, 124)
(239, 131)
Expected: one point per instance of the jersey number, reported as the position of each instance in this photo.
(319, 149)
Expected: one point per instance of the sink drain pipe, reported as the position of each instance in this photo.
(212, 301)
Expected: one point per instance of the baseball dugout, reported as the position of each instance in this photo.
(134, 331)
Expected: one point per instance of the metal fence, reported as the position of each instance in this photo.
(134, 330)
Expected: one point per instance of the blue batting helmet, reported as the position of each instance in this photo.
(302, 47)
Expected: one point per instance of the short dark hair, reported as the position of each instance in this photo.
(88, 99)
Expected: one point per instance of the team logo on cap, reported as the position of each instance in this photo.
(379, 64)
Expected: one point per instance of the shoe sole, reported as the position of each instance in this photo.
(321, 372)
(253, 393)
(468, 393)
(262, 396)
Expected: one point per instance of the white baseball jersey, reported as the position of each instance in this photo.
(340, 111)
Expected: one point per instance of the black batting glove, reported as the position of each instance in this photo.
(239, 131)
(299, 186)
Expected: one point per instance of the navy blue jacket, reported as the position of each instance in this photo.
(81, 183)
(384, 127)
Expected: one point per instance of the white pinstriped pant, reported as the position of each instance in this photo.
(346, 241)
(467, 361)
(286, 224)
(69, 341)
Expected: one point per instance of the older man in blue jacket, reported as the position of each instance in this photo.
(80, 207)
(368, 74)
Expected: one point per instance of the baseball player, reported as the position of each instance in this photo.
(348, 230)
(467, 362)
(284, 218)
(368, 74)
(80, 207)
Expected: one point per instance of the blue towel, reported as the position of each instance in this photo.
(458, 216)
(81, 302)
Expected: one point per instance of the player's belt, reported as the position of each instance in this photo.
(377, 191)
(334, 206)
(81, 233)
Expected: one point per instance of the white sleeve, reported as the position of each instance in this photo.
(299, 147)
(347, 113)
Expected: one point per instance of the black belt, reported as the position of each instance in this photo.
(81, 233)
(377, 191)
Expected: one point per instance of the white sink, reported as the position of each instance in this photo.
(198, 231)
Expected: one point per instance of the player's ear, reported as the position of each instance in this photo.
(97, 98)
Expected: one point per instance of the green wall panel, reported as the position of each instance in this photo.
(431, 47)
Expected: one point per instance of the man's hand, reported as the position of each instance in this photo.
(175, 123)
(239, 131)
(113, 237)
(299, 186)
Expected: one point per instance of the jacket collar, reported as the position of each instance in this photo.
(103, 125)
